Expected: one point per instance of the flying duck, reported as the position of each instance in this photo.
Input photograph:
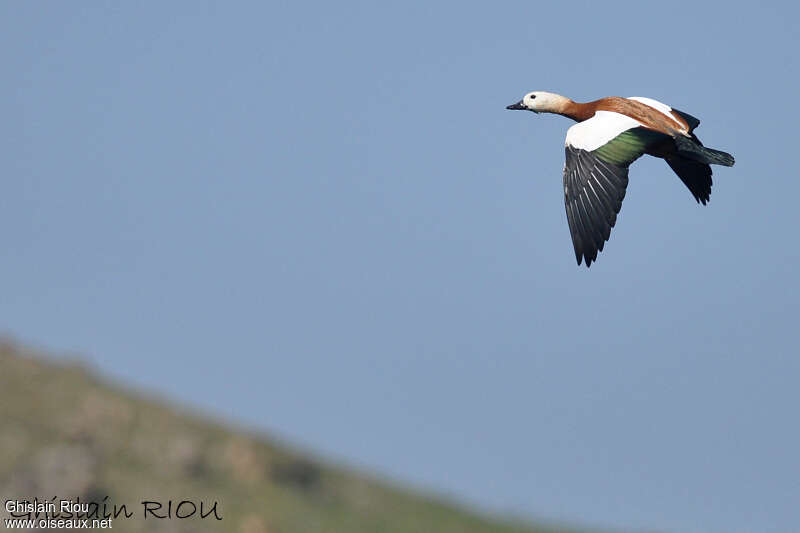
(610, 134)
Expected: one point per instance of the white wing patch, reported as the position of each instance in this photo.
(591, 134)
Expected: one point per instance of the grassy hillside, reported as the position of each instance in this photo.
(65, 433)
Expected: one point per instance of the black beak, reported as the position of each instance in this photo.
(518, 105)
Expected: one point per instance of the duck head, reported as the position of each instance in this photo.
(541, 102)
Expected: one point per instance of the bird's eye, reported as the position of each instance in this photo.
(533, 96)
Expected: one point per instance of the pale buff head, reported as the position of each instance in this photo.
(542, 102)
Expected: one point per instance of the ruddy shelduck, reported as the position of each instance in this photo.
(612, 133)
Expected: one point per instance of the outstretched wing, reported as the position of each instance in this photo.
(695, 175)
(690, 120)
(598, 153)
(593, 194)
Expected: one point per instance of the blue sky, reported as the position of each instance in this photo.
(320, 221)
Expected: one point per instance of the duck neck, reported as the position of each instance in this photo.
(576, 111)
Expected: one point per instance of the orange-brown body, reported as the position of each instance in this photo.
(649, 117)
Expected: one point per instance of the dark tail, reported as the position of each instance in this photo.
(697, 152)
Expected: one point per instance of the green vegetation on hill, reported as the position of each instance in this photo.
(65, 433)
